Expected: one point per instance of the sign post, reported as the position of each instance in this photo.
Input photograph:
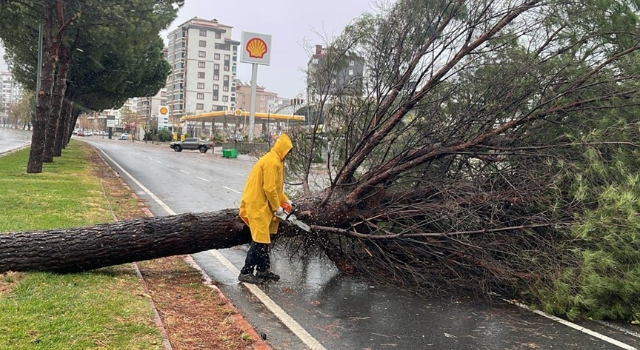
(256, 50)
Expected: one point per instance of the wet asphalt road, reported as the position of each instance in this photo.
(336, 311)
(11, 139)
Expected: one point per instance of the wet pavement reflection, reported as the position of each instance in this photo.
(343, 312)
(11, 139)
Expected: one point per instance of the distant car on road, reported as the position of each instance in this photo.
(124, 136)
(189, 143)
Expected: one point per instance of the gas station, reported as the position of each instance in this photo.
(237, 123)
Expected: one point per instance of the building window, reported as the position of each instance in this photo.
(215, 97)
(216, 66)
(226, 68)
(216, 77)
(314, 61)
(350, 71)
(261, 104)
(202, 43)
(352, 63)
(200, 75)
(262, 97)
(200, 85)
(203, 32)
(215, 87)
(202, 54)
(200, 106)
(200, 96)
(216, 56)
(225, 88)
(201, 64)
(218, 35)
(225, 98)
(226, 78)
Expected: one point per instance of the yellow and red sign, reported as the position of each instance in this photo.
(256, 48)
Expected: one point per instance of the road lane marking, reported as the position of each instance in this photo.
(203, 179)
(294, 326)
(164, 206)
(288, 321)
(231, 189)
(184, 172)
(575, 326)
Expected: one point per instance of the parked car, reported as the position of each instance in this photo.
(189, 143)
(124, 136)
(80, 133)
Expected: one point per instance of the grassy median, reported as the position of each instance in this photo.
(107, 308)
(103, 309)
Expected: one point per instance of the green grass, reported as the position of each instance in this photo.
(101, 309)
(65, 194)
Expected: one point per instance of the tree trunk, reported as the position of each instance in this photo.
(38, 137)
(61, 131)
(57, 96)
(86, 248)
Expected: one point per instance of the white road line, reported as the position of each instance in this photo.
(159, 162)
(288, 321)
(575, 326)
(257, 292)
(171, 166)
(164, 206)
(184, 172)
(203, 179)
(231, 189)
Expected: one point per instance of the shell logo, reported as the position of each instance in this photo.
(256, 48)
(163, 110)
(238, 112)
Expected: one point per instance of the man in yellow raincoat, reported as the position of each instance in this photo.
(263, 195)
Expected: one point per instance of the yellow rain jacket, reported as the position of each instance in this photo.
(263, 192)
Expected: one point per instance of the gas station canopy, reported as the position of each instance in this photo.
(210, 116)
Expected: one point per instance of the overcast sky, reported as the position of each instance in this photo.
(294, 25)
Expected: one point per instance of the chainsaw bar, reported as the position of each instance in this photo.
(291, 220)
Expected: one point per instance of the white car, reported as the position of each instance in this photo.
(124, 136)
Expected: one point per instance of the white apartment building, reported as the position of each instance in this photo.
(203, 58)
(10, 92)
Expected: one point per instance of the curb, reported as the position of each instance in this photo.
(257, 344)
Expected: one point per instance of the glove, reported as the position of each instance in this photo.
(279, 211)
(286, 206)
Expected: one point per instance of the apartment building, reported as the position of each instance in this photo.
(148, 108)
(10, 92)
(324, 80)
(203, 57)
(264, 98)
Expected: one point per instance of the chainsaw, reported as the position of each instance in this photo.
(290, 218)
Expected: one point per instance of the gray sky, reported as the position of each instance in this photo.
(294, 25)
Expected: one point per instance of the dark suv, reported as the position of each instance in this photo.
(189, 143)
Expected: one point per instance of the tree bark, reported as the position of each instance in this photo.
(38, 137)
(86, 248)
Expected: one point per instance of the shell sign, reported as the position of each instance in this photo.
(256, 48)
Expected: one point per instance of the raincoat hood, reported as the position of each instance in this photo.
(282, 146)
